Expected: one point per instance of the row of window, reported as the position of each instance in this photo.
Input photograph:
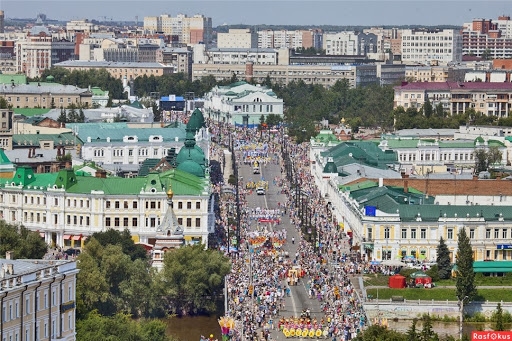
(413, 233)
(149, 204)
(150, 222)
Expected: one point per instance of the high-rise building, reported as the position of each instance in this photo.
(281, 39)
(2, 28)
(183, 29)
(489, 39)
(431, 47)
(243, 38)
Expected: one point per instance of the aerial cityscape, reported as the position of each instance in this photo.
(256, 170)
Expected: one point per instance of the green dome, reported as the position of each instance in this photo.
(330, 167)
(191, 151)
(196, 121)
(191, 167)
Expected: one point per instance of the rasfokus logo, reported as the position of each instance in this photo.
(491, 335)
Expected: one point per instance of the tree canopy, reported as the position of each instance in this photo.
(124, 239)
(444, 265)
(21, 241)
(465, 284)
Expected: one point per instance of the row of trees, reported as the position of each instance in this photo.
(72, 114)
(116, 276)
(21, 241)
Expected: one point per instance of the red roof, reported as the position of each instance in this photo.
(484, 86)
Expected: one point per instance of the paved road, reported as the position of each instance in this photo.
(299, 299)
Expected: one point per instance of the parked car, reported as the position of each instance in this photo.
(72, 252)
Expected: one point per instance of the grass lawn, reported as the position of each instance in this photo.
(441, 294)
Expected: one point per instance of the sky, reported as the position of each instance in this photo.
(276, 12)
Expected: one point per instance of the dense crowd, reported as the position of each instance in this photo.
(257, 285)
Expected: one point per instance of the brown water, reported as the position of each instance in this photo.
(190, 328)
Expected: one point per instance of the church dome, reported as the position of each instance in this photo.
(191, 167)
(191, 151)
(196, 121)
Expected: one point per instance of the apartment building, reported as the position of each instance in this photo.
(280, 39)
(488, 38)
(45, 95)
(38, 52)
(119, 70)
(492, 99)
(178, 57)
(431, 47)
(38, 299)
(238, 38)
(183, 29)
(436, 73)
(350, 43)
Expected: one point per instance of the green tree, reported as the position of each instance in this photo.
(427, 331)
(194, 278)
(63, 117)
(498, 317)
(124, 238)
(427, 108)
(21, 241)
(480, 156)
(3, 103)
(412, 334)
(444, 265)
(465, 280)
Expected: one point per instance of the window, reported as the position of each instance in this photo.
(27, 305)
(125, 222)
(471, 233)
(386, 233)
(153, 204)
(413, 233)
(125, 204)
(134, 222)
(198, 222)
(404, 233)
(370, 233)
(134, 204)
(116, 222)
(487, 233)
(423, 233)
(107, 221)
(189, 205)
(496, 234)
(449, 234)
(180, 221)
(189, 222)
(504, 234)
(116, 204)
(180, 205)
(107, 204)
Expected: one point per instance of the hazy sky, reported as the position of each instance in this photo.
(285, 12)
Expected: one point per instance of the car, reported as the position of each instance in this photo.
(260, 191)
(256, 170)
(72, 252)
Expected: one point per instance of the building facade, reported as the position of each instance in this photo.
(38, 299)
(492, 99)
(183, 29)
(350, 43)
(238, 38)
(242, 104)
(488, 38)
(431, 47)
(178, 57)
(127, 71)
(49, 95)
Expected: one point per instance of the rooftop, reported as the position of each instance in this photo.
(53, 88)
(451, 86)
(85, 63)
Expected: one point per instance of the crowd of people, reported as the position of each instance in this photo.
(257, 286)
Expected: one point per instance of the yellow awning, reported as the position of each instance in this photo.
(135, 239)
(188, 238)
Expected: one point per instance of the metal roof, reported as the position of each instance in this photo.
(105, 64)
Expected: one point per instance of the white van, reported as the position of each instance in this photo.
(260, 191)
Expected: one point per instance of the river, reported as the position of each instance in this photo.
(190, 328)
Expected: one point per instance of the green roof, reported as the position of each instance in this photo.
(62, 139)
(196, 121)
(435, 212)
(494, 266)
(362, 152)
(359, 185)
(147, 165)
(324, 137)
(30, 111)
(18, 79)
(4, 160)
(99, 132)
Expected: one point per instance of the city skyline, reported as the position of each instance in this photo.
(262, 12)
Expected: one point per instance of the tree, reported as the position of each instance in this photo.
(412, 334)
(465, 284)
(193, 279)
(427, 108)
(63, 117)
(3, 103)
(427, 332)
(498, 317)
(114, 237)
(444, 265)
(21, 241)
(379, 333)
(480, 155)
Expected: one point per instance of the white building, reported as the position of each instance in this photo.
(242, 103)
(238, 38)
(438, 47)
(341, 43)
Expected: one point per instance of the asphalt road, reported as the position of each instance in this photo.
(299, 299)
